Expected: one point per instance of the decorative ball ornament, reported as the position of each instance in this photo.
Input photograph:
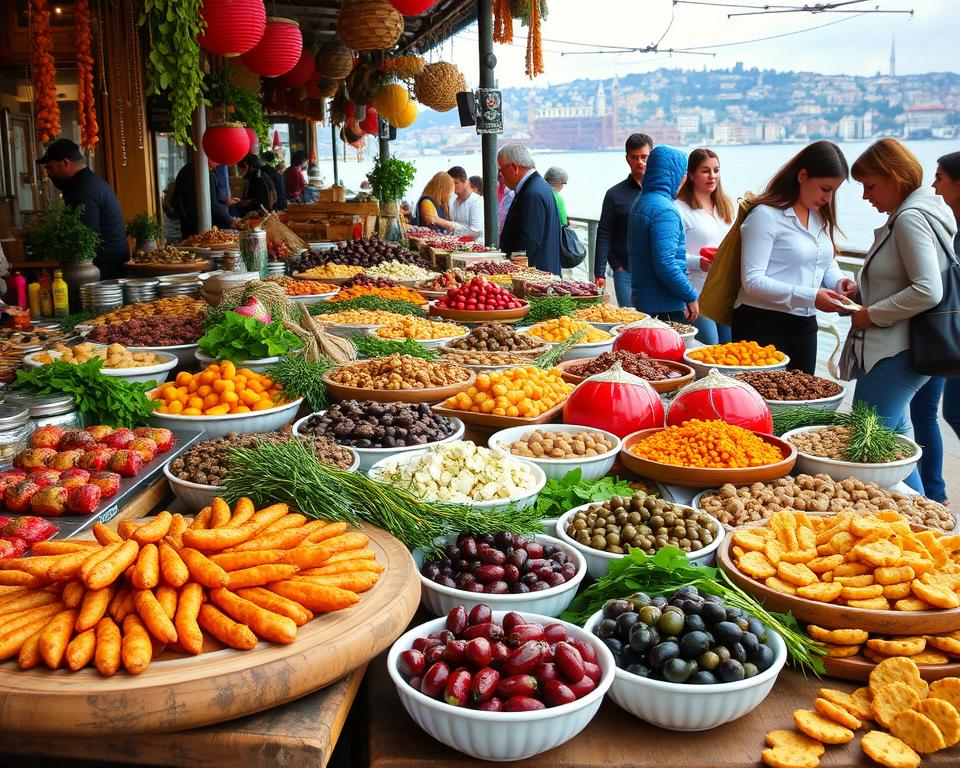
(407, 116)
(233, 26)
(335, 60)
(278, 50)
(391, 100)
(438, 84)
(369, 25)
(302, 72)
(226, 143)
(370, 124)
(412, 7)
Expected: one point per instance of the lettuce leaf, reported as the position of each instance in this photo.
(238, 338)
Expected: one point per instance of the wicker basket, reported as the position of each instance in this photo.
(369, 25)
(328, 88)
(335, 60)
(438, 85)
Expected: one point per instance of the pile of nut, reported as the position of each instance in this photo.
(169, 306)
(395, 372)
(487, 359)
(833, 443)
(399, 271)
(496, 337)
(208, 462)
(113, 355)
(157, 331)
(638, 363)
(546, 444)
(408, 327)
(166, 255)
(790, 385)
(369, 424)
(734, 506)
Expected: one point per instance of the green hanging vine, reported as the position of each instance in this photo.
(240, 103)
(173, 66)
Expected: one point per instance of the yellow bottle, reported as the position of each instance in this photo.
(33, 299)
(61, 299)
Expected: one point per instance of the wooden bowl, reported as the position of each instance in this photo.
(200, 265)
(839, 616)
(695, 477)
(424, 395)
(479, 316)
(661, 386)
(491, 421)
(859, 668)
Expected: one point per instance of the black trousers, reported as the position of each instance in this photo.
(793, 335)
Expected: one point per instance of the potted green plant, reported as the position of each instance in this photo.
(61, 235)
(389, 181)
(146, 232)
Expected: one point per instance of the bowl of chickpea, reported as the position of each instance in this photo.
(119, 361)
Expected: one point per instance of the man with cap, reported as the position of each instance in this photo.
(79, 185)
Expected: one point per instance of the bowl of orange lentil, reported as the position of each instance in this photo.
(735, 357)
(707, 454)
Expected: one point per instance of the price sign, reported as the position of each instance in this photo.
(489, 111)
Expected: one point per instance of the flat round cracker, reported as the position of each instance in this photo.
(944, 716)
(929, 656)
(836, 713)
(789, 757)
(890, 700)
(837, 636)
(841, 651)
(897, 646)
(947, 689)
(855, 705)
(888, 750)
(784, 737)
(919, 731)
(818, 727)
(897, 669)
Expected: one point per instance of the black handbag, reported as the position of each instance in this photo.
(572, 251)
(935, 333)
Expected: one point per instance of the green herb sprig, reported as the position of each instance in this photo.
(101, 399)
(668, 570)
(556, 353)
(571, 490)
(300, 377)
(370, 346)
(237, 338)
(549, 307)
(871, 441)
(61, 234)
(391, 178)
(370, 303)
(290, 473)
(794, 418)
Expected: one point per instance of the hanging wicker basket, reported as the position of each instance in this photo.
(335, 60)
(369, 25)
(438, 85)
(328, 87)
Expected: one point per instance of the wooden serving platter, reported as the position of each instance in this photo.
(695, 477)
(480, 316)
(424, 395)
(859, 668)
(321, 279)
(839, 616)
(177, 692)
(661, 386)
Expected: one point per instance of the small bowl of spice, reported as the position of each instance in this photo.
(560, 448)
(663, 375)
(788, 389)
(195, 475)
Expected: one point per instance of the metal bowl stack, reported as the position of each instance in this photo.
(276, 268)
(101, 297)
(140, 289)
(179, 285)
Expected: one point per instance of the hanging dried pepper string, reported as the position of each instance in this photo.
(44, 72)
(534, 45)
(502, 22)
(86, 104)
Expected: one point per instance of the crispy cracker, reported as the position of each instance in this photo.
(796, 573)
(897, 591)
(872, 604)
(912, 604)
(897, 646)
(818, 727)
(936, 595)
(945, 644)
(836, 713)
(899, 669)
(890, 700)
(837, 636)
(789, 757)
(821, 592)
(784, 737)
(888, 750)
(944, 716)
(928, 657)
(894, 574)
(947, 689)
(861, 593)
(919, 731)
(749, 540)
(774, 582)
(841, 651)
(755, 564)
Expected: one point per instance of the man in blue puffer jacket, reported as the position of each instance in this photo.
(655, 242)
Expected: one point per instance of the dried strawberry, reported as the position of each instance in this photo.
(74, 474)
(145, 446)
(83, 500)
(50, 501)
(65, 459)
(33, 457)
(99, 431)
(30, 529)
(11, 546)
(126, 463)
(162, 437)
(119, 438)
(46, 437)
(44, 477)
(16, 498)
(107, 482)
(76, 439)
(11, 477)
(96, 459)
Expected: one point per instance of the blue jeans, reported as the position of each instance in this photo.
(708, 332)
(889, 387)
(924, 409)
(621, 287)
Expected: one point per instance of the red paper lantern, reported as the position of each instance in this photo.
(226, 143)
(302, 72)
(658, 341)
(412, 7)
(278, 50)
(716, 396)
(252, 135)
(233, 26)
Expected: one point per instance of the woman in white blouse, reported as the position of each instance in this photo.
(707, 214)
(787, 269)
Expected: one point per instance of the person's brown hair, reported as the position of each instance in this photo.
(821, 160)
(439, 189)
(721, 203)
(889, 159)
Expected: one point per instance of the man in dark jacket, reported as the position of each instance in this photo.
(533, 222)
(269, 169)
(79, 185)
(258, 189)
(184, 201)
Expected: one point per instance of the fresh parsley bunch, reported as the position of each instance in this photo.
(571, 490)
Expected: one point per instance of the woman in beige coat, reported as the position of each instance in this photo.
(900, 278)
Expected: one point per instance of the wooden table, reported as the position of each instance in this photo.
(616, 739)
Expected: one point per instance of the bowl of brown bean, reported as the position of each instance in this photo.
(662, 375)
(118, 361)
(398, 378)
(560, 448)
(820, 450)
(788, 389)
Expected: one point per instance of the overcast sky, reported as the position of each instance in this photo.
(856, 44)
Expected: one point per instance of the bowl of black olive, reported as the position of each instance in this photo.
(688, 662)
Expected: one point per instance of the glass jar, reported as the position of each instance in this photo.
(45, 410)
(15, 431)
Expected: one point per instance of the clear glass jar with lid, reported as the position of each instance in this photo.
(56, 410)
(15, 431)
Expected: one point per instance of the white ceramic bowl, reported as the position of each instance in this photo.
(255, 422)
(314, 298)
(439, 599)
(184, 353)
(348, 331)
(702, 369)
(689, 707)
(500, 736)
(598, 561)
(592, 467)
(885, 475)
(370, 456)
(159, 372)
(526, 500)
(428, 343)
(259, 365)
(591, 349)
(823, 403)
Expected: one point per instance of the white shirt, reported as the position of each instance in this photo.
(701, 230)
(782, 263)
(468, 215)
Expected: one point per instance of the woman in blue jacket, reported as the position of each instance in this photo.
(655, 242)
